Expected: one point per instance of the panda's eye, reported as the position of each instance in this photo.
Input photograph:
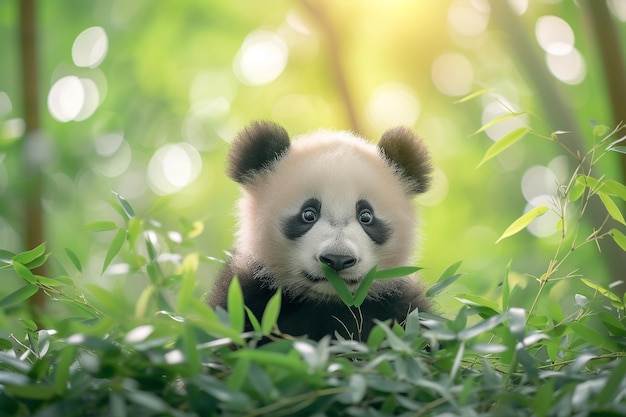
(309, 215)
(366, 217)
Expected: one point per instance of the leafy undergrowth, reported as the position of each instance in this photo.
(188, 360)
(166, 353)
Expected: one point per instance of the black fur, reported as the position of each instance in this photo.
(256, 148)
(378, 230)
(295, 226)
(409, 155)
(318, 319)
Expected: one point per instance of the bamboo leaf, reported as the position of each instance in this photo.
(18, 296)
(338, 284)
(99, 226)
(31, 255)
(74, 259)
(522, 222)
(114, 248)
(128, 209)
(364, 287)
(504, 143)
(611, 208)
(619, 238)
(472, 96)
(235, 304)
(398, 272)
(24, 272)
(497, 120)
(441, 285)
(270, 314)
(620, 149)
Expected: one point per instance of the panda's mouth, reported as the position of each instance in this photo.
(317, 279)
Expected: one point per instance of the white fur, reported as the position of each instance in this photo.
(339, 169)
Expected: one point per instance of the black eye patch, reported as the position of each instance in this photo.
(297, 225)
(377, 230)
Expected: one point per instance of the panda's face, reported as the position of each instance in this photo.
(329, 200)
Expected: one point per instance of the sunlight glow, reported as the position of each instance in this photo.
(393, 104)
(73, 98)
(90, 47)
(261, 59)
(519, 6)
(618, 8)
(66, 98)
(173, 166)
(569, 68)
(554, 35)
(453, 74)
(466, 20)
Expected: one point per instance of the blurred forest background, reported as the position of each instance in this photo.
(142, 98)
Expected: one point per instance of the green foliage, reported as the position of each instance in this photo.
(167, 353)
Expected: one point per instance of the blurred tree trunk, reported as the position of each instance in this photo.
(336, 65)
(32, 176)
(560, 115)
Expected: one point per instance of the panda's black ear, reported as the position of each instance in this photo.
(407, 153)
(256, 149)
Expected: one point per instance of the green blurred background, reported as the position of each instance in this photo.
(143, 97)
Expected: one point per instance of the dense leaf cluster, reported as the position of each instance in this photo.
(168, 354)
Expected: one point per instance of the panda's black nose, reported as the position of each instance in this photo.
(338, 262)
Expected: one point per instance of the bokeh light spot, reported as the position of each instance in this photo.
(554, 35)
(569, 68)
(452, 74)
(391, 105)
(66, 98)
(261, 59)
(499, 108)
(172, 167)
(466, 20)
(5, 104)
(90, 47)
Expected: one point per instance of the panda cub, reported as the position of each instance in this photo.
(331, 198)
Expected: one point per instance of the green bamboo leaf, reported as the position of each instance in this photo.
(522, 222)
(99, 226)
(398, 272)
(271, 312)
(254, 322)
(128, 209)
(615, 188)
(116, 245)
(18, 296)
(620, 149)
(5, 257)
(364, 287)
(497, 120)
(613, 384)
(31, 255)
(611, 208)
(338, 284)
(235, 306)
(619, 238)
(615, 300)
(74, 259)
(441, 285)
(472, 96)
(577, 190)
(24, 272)
(504, 143)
